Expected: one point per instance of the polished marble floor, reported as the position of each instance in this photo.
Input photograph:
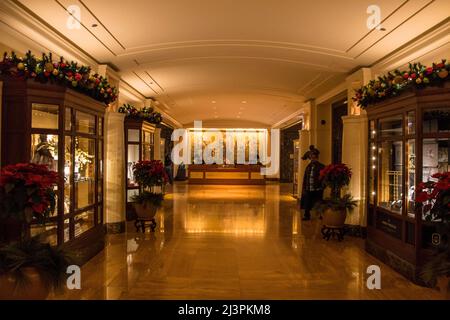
(235, 242)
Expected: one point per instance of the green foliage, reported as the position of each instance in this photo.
(61, 72)
(149, 197)
(395, 82)
(50, 262)
(146, 113)
(337, 203)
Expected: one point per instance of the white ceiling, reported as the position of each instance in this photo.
(271, 54)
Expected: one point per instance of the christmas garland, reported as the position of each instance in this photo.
(395, 82)
(70, 74)
(146, 113)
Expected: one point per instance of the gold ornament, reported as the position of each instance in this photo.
(49, 67)
(397, 80)
(443, 74)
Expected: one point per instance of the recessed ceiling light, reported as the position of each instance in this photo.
(243, 101)
(238, 117)
(94, 25)
(214, 101)
(239, 112)
(216, 117)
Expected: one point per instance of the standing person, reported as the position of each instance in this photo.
(168, 167)
(312, 189)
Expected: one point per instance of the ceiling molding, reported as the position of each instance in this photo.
(276, 92)
(28, 23)
(393, 30)
(317, 84)
(330, 94)
(375, 28)
(86, 28)
(169, 119)
(429, 40)
(292, 118)
(229, 123)
(274, 59)
(101, 23)
(236, 43)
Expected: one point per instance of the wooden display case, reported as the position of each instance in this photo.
(409, 140)
(53, 125)
(139, 145)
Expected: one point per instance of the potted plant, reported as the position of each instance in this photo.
(433, 201)
(26, 194)
(30, 269)
(334, 208)
(149, 175)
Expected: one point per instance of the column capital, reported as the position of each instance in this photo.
(355, 81)
(353, 118)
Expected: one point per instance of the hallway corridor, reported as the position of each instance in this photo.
(244, 242)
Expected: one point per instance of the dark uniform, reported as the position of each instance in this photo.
(312, 189)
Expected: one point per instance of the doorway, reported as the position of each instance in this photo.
(339, 109)
(287, 137)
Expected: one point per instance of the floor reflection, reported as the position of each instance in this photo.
(235, 242)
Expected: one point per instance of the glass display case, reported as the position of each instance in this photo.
(139, 145)
(409, 141)
(52, 125)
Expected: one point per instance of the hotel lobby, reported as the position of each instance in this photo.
(221, 150)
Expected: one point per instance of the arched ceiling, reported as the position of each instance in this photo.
(241, 60)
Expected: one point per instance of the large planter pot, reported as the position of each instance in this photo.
(334, 218)
(34, 289)
(145, 211)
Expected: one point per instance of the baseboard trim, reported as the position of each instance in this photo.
(115, 227)
(400, 265)
(355, 231)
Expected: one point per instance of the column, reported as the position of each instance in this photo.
(157, 152)
(354, 154)
(114, 172)
(354, 147)
(114, 160)
(304, 143)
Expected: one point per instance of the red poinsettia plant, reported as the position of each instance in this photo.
(150, 173)
(335, 176)
(27, 192)
(434, 197)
